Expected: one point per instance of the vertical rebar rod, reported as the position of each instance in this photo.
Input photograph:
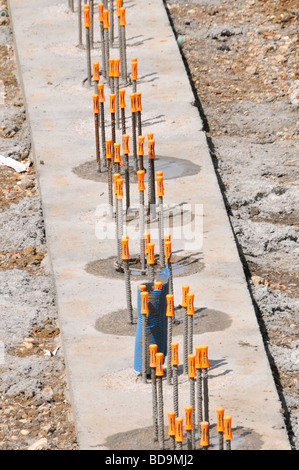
(103, 53)
(185, 341)
(190, 333)
(110, 189)
(192, 402)
(119, 211)
(128, 292)
(175, 389)
(103, 133)
(107, 54)
(220, 440)
(134, 138)
(154, 403)
(97, 137)
(123, 120)
(141, 230)
(117, 102)
(161, 234)
(144, 348)
(127, 181)
(151, 272)
(91, 24)
(160, 413)
(169, 341)
(199, 396)
(111, 23)
(88, 56)
(206, 394)
(80, 22)
(151, 188)
(124, 72)
(189, 439)
(139, 123)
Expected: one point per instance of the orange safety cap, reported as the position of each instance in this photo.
(174, 353)
(152, 355)
(188, 418)
(96, 70)
(204, 357)
(138, 101)
(220, 415)
(147, 239)
(122, 16)
(144, 302)
(179, 436)
(95, 101)
(190, 303)
(101, 10)
(170, 305)
(106, 23)
(116, 176)
(117, 153)
(160, 186)
(101, 92)
(119, 185)
(158, 285)
(141, 139)
(108, 148)
(227, 421)
(125, 248)
(86, 11)
(204, 438)
(119, 4)
(171, 423)
(112, 103)
(185, 290)
(159, 364)
(122, 102)
(134, 69)
(167, 246)
(133, 102)
(151, 148)
(126, 149)
(151, 253)
(142, 287)
(116, 67)
(140, 175)
(191, 365)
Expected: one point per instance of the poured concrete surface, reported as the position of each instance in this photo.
(108, 398)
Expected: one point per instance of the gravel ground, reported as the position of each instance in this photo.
(242, 58)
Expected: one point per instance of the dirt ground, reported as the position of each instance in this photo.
(242, 59)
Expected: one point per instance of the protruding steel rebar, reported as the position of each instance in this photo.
(109, 165)
(227, 421)
(168, 259)
(185, 290)
(101, 7)
(169, 314)
(141, 188)
(204, 437)
(119, 212)
(179, 437)
(151, 179)
(86, 11)
(140, 151)
(171, 428)
(220, 426)
(102, 121)
(139, 110)
(192, 376)
(134, 137)
(152, 354)
(123, 64)
(125, 258)
(175, 363)
(189, 426)
(134, 76)
(106, 43)
(122, 105)
(111, 38)
(80, 39)
(159, 375)
(96, 74)
(126, 151)
(151, 262)
(144, 311)
(117, 101)
(160, 192)
(95, 98)
(199, 395)
(91, 31)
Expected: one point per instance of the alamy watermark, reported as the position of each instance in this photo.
(184, 222)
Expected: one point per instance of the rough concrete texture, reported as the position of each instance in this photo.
(107, 397)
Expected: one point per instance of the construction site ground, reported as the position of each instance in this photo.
(242, 61)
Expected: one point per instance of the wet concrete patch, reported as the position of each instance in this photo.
(142, 439)
(205, 320)
(109, 267)
(171, 167)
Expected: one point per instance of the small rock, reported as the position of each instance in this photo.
(39, 445)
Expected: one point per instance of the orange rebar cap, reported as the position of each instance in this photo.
(174, 353)
(220, 415)
(170, 305)
(227, 421)
(204, 438)
(141, 139)
(133, 102)
(190, 303)
(179, 436)
(142, 287)
(151, 148)
(191, 365)
(86, 11)
(117, 158)
(116, 176)
(101, 12)
(159, 364)
(160, 186)
(120, 184)
(112, 103)
(126, 149)
(138, 101)
(116, 67)
(204, 357)
(158, 285)
(188, 418)
(185, 290)
(122, 16)
(122, 102)
(101, 92)
(152, 355)
(106, 23)
(108, 148)
(167, 237)
(147, 239)
(171, 423)
(151, 253)
(96, 70)
(95, 101)
(119, 4)
(140, 175)
(134, 65)
(167, 246)
(125, 248)
(144, 302)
